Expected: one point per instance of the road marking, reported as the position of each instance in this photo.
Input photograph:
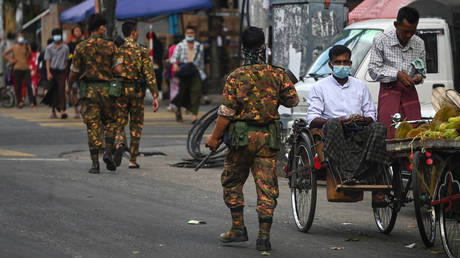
(11, 153)
(71, 124)
(32, 159)
(171, 136)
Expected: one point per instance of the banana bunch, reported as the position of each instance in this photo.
(445, 125)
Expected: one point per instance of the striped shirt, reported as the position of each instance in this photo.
(388, 56)
(180, 54)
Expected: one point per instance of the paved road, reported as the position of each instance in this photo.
(51, 207)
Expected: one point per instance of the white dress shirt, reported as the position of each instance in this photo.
(329, 99)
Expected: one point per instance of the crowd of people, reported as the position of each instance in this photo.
(49, 70)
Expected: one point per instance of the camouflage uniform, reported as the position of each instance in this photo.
(253, 94)
(136, 64)
(93, 60)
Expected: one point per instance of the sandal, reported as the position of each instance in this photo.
(134, 166)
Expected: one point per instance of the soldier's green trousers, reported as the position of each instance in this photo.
(258, 158)
(130, 105)
(97, 110)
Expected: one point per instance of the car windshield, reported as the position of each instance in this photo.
(359, 41)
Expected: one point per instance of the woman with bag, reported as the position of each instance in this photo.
(188, 65)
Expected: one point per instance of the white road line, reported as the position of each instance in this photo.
(32, 159)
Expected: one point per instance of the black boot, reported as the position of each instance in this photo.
(263, 244)
(118, 155)
(108, 159)
(234, 235)
(263, 240)
(95, 159)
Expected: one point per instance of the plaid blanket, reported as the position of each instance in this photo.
(355, 151)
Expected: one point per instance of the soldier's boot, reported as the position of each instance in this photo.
(263, 239)
(238, 232)
(118, 155)
(108, 159)
(95, 159)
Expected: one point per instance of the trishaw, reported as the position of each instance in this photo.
(433, 177)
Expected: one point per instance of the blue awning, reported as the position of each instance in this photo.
(127, 9)
(78, 13)
(147, 8)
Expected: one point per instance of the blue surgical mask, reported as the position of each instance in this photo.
(57, 38)
(20, 40)
(341, 71)
(189, 39)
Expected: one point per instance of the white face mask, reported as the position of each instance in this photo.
(21, 40)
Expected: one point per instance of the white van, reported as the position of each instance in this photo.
(358, 37)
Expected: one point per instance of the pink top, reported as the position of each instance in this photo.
(171, 52)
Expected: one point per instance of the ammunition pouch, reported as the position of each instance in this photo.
(238, 133)
(115, 88)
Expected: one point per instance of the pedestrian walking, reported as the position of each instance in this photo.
(41, 69)
(93, 64)
(56, 58)
(72, 90)
(188, 63)
(33, 62)
(398, 63)
(136, 75)
(173, 80)
(249, 111)
(157, 55)
(18, 55)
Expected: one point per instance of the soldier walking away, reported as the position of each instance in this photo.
(136, 74)
(249, 111)
(398, 63)
(92, 65)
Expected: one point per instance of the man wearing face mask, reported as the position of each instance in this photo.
(342, 107)
(18, 56)
(188, 51)
(56, 56)
(395, 54)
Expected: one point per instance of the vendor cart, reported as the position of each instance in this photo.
(435, 176)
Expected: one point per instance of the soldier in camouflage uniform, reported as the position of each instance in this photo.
(136, 67)
(251, 97)
(93, 62)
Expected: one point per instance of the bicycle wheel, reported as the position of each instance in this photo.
(449, 215)
(385, 217)
(303, 190)
(7, 98)
(424, 212)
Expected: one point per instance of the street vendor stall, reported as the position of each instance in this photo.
(433, 150)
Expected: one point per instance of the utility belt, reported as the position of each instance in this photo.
(238, 133)
(139, 84)
(84, 84)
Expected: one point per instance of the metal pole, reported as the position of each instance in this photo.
(97, 7)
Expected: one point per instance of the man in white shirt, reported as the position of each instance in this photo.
(342, 106)
(340, 95)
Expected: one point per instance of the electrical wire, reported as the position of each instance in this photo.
(196, 139)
